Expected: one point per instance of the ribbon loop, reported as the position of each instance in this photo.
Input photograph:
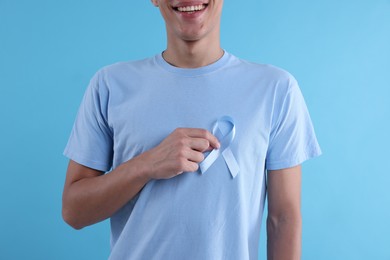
(225, 130)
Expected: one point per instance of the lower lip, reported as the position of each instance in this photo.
(191, 15)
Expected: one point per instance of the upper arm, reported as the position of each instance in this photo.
(292, 138)
(91, 140)
(284, 191)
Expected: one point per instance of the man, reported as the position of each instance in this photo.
(151, 123)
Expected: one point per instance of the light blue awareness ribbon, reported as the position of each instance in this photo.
(225, 137)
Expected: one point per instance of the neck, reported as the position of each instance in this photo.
(192, 54)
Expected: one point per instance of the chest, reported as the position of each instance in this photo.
(142, 114)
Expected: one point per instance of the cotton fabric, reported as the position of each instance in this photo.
(130, 107)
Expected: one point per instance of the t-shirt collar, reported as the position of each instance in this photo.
(191, 72)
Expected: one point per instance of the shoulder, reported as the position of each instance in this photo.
(267, 71)
(125, 67)
(276, 80)
(120, 72)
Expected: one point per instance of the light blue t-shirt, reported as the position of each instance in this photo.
(131, 107)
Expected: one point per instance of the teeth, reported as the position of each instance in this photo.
(191, 8)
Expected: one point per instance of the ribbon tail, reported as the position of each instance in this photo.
(210, 159)
(231, 162)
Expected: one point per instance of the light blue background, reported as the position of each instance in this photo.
(339, 50)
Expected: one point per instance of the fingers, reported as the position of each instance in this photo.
(179, 152)
(202, 134)
(194, 156)
(199, 144)
(190, 166)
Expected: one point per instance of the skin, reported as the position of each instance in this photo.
(91, 196)
(192, 42)
(284, 221)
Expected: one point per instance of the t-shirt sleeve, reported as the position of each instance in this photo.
(292, 137)
(90, 142)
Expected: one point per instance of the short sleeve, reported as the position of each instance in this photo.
(292, 137)
(90, 142)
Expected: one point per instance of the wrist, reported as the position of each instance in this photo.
(142, 168)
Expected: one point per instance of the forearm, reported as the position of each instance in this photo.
(91, 200)
(90, 197)
(284, 238)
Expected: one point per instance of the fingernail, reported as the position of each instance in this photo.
(218, 145)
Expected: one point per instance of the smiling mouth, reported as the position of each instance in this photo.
(190, 9)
